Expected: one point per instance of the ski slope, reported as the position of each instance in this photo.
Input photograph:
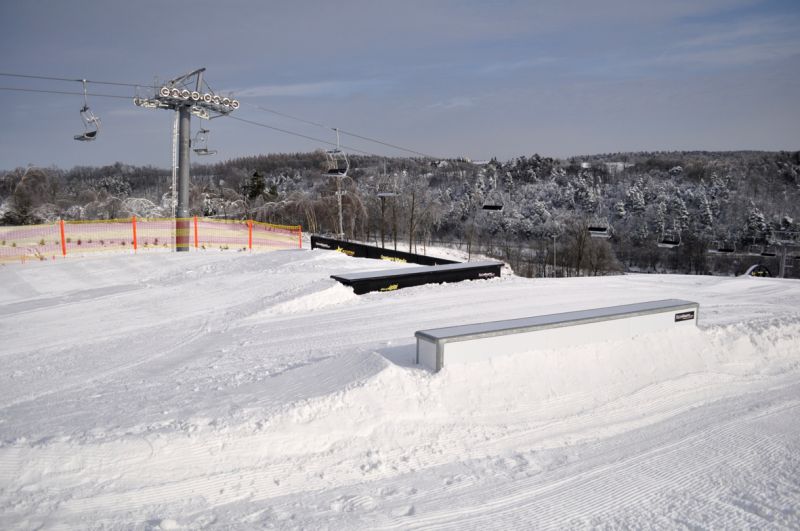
(235, 390)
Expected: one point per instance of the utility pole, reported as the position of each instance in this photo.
(383, 196)
(337, 166)
(186, 95)
(782, 267)
(339, 194)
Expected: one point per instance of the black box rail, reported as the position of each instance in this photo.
(359, 250)
(406, 277)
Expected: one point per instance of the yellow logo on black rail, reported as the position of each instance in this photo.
(390, 287)
(346, 251)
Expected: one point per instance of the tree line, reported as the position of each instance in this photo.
(531, 211)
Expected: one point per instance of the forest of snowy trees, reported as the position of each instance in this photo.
(747, 202)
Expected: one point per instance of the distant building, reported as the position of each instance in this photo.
(611, 167)
(617, 167)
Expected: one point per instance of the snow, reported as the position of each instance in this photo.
(240, 390)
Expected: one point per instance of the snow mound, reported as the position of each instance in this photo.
(249, 391)
(332, 296)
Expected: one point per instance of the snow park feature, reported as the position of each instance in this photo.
(483, 341)
(367, 281)
(362, 250)
(267, 395)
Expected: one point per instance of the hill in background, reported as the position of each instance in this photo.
(744, 201)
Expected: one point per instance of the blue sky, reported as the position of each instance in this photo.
(448, 78)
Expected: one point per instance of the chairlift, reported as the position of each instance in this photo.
(201, 142)
(726, 248)
(91, 123)
(755, 250)
(669, 240)
(769, 252)
(494, 202)
(336, 164)
(598, 230)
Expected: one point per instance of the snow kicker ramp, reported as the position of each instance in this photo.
(284, 400)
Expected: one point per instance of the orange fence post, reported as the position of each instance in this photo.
(63, 239)
(133, 222)
(250, 234)
(195, 232)
(299, 237)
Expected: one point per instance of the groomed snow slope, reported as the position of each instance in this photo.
(251, 391)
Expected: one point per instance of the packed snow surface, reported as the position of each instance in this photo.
(234, 390)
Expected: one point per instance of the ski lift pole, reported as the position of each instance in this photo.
(782, 265)
(339, 191)
(182, 214)
(339, 199)
(173, 201)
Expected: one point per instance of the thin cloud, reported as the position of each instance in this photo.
(318, 88)
(512, 66)
(746, 54)
(748, 42)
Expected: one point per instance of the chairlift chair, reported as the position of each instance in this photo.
(726, 248)
(669, 240)
(91, 123)
(201, 141)
(494, 202)
(598, 230)
(769, 252)
(336, 163)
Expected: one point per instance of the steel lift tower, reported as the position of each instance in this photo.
(187, 95)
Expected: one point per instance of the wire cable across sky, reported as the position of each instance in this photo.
(252, 122)
(78, 80)
(92, 94)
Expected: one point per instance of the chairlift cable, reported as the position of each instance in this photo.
(279, 113)
(262, 108)
(342, 131)
(97, 95)
(307, 137)
(92, 94)
(49, 78)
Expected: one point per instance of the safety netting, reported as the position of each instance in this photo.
(65, 238)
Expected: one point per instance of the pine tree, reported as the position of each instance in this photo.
(756, 224)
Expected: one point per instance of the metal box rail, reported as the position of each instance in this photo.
(473, 342)
(392, 279)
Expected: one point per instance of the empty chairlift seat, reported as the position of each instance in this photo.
(480, 341)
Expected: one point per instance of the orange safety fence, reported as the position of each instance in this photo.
(65, 238)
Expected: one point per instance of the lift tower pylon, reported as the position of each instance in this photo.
(187, 95)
